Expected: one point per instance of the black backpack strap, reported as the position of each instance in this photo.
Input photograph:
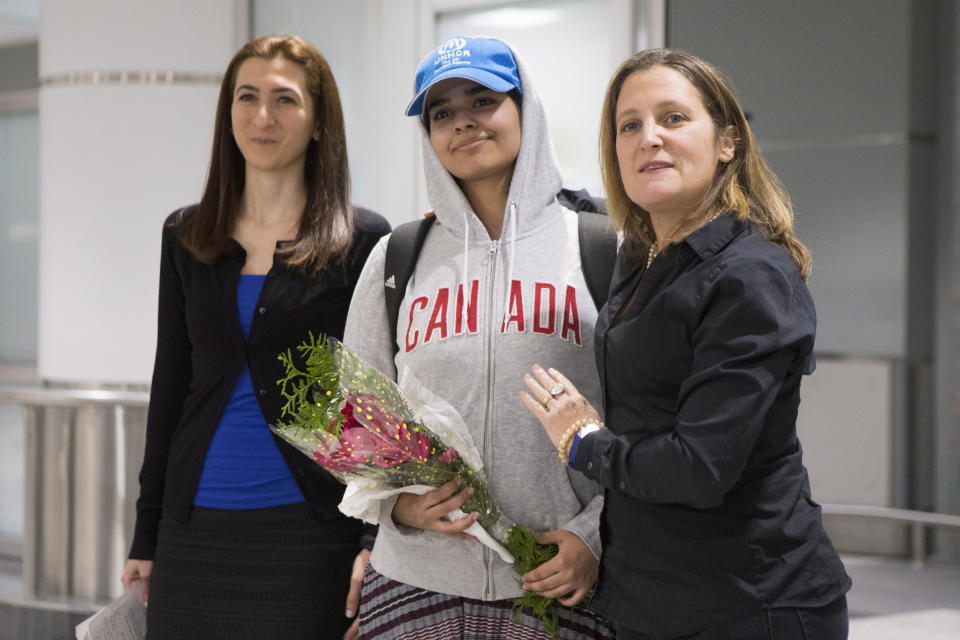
(598, 254)
(581, 200)
(403, 250)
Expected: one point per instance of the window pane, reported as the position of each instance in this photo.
(11, 478)
(19, 188)
(561, 44)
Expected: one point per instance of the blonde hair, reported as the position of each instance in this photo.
(745, 184)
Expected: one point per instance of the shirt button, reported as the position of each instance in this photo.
(623, 485)
(263, 393)
(589, 466)
(262, 310)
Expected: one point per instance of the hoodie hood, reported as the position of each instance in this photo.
(533, 188)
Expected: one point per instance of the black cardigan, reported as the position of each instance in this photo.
(708, 512)
(201, 351)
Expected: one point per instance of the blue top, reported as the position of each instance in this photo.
(243, 468)
(572, 457)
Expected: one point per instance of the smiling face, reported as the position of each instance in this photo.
(474, 131)
(668, 147)
(272, 114)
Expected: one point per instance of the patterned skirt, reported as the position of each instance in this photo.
(257, 574)
(391, 610)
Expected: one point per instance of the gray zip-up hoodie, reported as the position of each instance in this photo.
(476, 315)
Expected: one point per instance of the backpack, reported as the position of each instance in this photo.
(598, 253)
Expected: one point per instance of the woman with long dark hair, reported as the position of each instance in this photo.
(500, 281)
(238, 535)
(709, 530)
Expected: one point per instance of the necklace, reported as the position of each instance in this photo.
(653, 253)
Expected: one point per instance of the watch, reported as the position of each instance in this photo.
(587, 429)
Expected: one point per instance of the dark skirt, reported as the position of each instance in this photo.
(391, 610)
(257, 573)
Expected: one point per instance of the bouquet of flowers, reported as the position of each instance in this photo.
(360, 426)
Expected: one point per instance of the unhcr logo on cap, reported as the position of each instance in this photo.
(451, 52)
(451, 45)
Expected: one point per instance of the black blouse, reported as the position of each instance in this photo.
(708, 510)
(201, 351)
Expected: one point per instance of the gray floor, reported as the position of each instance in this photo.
(891, 600)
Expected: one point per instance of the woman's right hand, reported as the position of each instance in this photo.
(138, 570)
(429, 511)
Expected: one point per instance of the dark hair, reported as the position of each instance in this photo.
(513, 94)
(327, 221)
(745, 184)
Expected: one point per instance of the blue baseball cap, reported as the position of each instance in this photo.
(486, 61)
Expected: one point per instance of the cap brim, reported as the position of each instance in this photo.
(480, 76)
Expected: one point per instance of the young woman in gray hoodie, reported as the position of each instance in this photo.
(498, 287)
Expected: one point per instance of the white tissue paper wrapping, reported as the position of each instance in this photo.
(363, 496)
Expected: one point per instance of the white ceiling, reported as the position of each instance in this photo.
(19, 21)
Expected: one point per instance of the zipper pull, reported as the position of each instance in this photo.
(494, 246)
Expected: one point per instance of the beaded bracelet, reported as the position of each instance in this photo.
(567, 437)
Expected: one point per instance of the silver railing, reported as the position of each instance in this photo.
(83, 449)
(918, 521)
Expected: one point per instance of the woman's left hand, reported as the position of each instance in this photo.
(556, 411)
(353, 596)
(570, 573)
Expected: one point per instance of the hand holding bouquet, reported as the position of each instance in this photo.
(358, 425)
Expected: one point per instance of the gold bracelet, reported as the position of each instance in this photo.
(567, 437)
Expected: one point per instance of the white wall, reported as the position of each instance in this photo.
(115, 160)
(339, 31)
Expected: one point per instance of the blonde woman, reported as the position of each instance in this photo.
(709, 530)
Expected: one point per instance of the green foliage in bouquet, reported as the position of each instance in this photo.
(528, 555)
(312, 396)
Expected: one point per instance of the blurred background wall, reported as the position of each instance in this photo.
(106, 110)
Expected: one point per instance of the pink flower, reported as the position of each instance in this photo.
(414, 444)
(335, 461)
(386, 460)
(448, 456)
(349, 421)
(373, 437)
(358, 446)
(361, 444)
(365, 409)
